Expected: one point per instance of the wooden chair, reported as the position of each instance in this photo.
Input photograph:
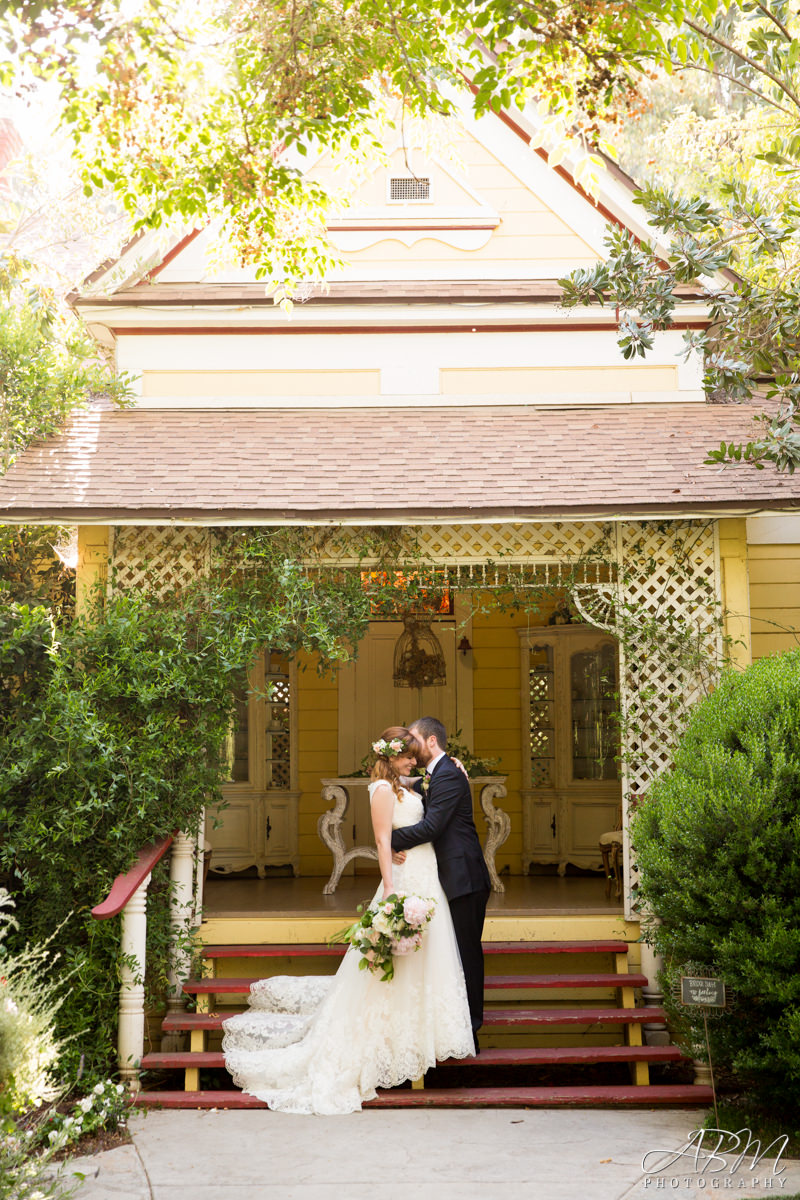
(611, 853)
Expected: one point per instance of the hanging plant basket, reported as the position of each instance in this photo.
(418, 656)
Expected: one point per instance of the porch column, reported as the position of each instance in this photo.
(655, 1032)
(92, 569)
(181, 903)
(130, 1037)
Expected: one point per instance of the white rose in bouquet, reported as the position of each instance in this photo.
(382, 923)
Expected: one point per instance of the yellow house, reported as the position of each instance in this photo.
(436, 386)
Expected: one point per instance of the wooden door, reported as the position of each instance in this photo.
(572, 790)
(369, 702)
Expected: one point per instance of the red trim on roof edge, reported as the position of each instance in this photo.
(567, 326)
(181, 245)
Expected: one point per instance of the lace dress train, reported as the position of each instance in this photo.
(321, 1044)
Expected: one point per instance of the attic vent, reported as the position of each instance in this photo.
(409, 189)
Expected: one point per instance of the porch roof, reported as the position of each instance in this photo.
(389, 464)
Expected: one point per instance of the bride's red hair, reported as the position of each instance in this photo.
(383, 768)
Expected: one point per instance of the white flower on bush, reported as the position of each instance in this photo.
(86, 1103)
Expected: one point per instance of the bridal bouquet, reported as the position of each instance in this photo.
(386, 928)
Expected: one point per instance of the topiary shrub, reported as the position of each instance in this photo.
(717, 842)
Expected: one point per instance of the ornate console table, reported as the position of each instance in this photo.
(336, 792)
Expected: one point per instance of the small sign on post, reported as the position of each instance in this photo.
(707, 993)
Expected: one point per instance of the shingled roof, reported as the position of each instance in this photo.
(390, 464)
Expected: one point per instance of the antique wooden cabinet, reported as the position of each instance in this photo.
(571, 790)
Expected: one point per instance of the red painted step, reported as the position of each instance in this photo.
(596, 980)
(591, 1095)
(570, 1016)
(596, 947)
(310, 949)
(687, 1095)
(232, 986)
(501, 1057)
(495, 1017)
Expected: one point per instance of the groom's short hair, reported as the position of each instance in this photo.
(431, 727)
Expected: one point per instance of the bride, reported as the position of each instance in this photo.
(321, 1044)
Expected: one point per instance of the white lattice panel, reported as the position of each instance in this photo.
(665, 610)
(509, 543)
(670, 586)
(467, 545)
(159, 557)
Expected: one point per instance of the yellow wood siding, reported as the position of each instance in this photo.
(774, 598)
(735, 589)
(482, 380)
(529, 229)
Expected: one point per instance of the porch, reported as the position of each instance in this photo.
(535, 686)
(535, 896)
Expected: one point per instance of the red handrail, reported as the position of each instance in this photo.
(125, 885)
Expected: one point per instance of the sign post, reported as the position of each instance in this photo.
(707, 993)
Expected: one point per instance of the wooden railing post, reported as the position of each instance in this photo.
(181, 903)
(130, 1037)
(128, 896)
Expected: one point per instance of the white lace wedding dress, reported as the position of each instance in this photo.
(322, 1044)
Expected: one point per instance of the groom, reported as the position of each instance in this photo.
(449, 825)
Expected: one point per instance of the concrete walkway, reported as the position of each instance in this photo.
(489, 1154)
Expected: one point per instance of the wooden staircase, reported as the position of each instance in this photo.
(521, 1036)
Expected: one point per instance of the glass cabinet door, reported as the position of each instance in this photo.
(278, 716)
(594, 725)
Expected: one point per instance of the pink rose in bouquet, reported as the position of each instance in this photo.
(416, 911)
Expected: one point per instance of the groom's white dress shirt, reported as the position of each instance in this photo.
(430, 766)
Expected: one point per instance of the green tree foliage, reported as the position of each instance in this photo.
(210, 111)
(729, 214)
(32, 568)
(48, 366)
(717, 841)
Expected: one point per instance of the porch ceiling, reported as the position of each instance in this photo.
(389, 465)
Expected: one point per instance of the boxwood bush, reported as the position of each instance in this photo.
(717, 842)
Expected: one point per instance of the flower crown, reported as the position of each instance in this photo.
(389, 749)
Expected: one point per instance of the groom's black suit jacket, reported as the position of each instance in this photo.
(449, 825)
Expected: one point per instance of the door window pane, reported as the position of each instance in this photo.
(238, 739)
(542, 699)
(595, 728)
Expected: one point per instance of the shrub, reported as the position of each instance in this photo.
(718, 849)
(112, 730)
(29, 1002)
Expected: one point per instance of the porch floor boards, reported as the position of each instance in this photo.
(525, 895)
